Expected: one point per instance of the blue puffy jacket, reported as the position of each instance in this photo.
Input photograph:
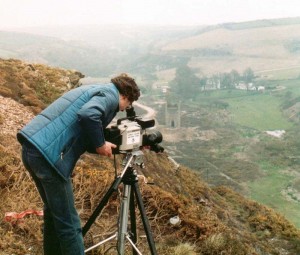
(72, 124)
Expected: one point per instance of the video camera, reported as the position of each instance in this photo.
(130, 134)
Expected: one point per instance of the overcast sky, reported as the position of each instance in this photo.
(20, 13)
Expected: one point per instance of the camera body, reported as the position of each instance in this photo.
(130, 134)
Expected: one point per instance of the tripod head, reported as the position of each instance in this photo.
(130, 159)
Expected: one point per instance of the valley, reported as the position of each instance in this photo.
(232, 146)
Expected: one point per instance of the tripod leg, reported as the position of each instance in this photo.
(144, 218)
(123, 219)
(101, 205)
(133, 222)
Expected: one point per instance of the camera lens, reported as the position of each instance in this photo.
(154, 138)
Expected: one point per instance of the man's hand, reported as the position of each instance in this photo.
(106, 149)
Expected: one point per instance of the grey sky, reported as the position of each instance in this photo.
(19, 13)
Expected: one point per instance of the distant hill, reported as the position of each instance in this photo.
(95, 50)
(56, 52)
(213, 220)
(262, 23)
(100, 51)
(261, 45)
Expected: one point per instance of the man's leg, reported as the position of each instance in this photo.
(62, 228)
(62, 213)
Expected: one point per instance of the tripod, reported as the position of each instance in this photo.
(130, 193)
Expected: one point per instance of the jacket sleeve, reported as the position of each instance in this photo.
(92, 118)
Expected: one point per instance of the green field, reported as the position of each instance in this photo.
(262, 112)
(267, 191)
(259, 111)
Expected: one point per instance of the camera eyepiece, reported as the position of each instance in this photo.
(130, 112)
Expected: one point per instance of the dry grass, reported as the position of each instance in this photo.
(17, 236)
(33, 84)
(184, 249)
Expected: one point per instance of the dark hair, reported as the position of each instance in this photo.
(126, 86)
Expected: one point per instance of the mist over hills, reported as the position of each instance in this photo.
(103, 50)
(96, 51)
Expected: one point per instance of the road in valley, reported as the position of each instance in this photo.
(150, 113)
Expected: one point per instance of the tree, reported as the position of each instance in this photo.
(248, 75)
(235, 77)
(203, 82)
(186, 83)
(216, 80)
(226, 81)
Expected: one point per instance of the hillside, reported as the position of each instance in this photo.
(213, 220)
(261, 45)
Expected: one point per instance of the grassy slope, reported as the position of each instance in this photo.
(267, 190)
(261, 112)
(255, 110)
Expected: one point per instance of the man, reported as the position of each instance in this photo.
(53, 142)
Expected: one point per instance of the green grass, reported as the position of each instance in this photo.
(267, 191)
(223, 94)
(259, 111)
(293, 86)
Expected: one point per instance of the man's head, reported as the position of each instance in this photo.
(127, 86)
(128, 89)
